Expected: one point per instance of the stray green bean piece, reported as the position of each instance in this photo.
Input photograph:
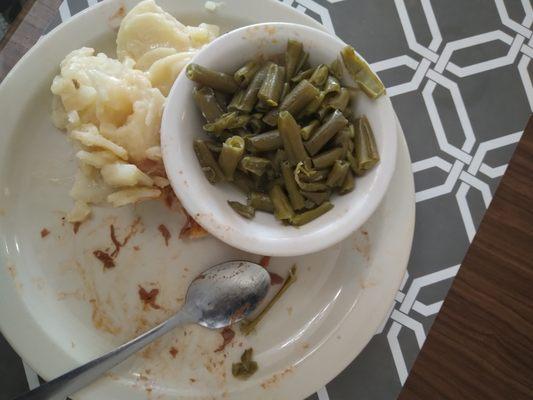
(213, 79)
(248, 326)
(242, 209)
(361, 73)
(272, 86)
(255, 165)
(339, 101)
(295, 197)
(348, 185)
(263, 142)
(332, 85)
(308, 216)
(319, 76)
(293, 57)
(232, 151)
(289, 130)
(317, 197)
(308, 130)
(338, 173)
(208, 163)
(261, 201)
(207, 103)
(244, 75)
(227, 121)
(333, 124)
(366, 152)
(246, 368)
(243, 182)
(327, 158)
(282, 207)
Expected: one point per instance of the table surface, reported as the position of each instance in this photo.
(481, 344)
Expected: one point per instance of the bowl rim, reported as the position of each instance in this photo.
(288, 246)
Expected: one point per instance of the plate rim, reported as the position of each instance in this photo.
(21, 348)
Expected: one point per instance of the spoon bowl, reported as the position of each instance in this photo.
(227, 293)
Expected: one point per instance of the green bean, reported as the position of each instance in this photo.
(244, 75)
(316, 175)
(308, 204)
(272, 86)
(344, 140)
(214, 147)
(313, 106)
(332, 85)
(208, 163)
(207, 103)
(261, 106)
(243, 182)
(348, 185)
(293, 57)
(285, 91)
(289, 130)
(213, 79)
(231, 154)
(255, 125)
(303, 64)
(308, 130)
(366, 152)
(338, 173)
(235, 101)
(295, 101)
(335, 69)
(230, 120)
(267, 141)
(250, 94)
(339, 101)
(361, 73)
(278, 158)
(350, 157)
(308, 216)
(242, 209)
(334, 123)
(255, 165)
(319, 76)
(222, 99)
(317, 197)
(295, 197)
(327, 158)
(282, 207)
(302, 173)
(303, 75)
(261, 201)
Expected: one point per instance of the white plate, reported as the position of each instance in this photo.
(58, 308)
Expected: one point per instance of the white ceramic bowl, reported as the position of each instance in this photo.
(207, 204)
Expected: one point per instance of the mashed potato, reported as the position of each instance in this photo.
(111, 108)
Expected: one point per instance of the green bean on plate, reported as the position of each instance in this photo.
(286, 136)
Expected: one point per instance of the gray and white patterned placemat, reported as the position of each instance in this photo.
(460, 78)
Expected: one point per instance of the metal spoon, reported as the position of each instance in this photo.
(220, 296)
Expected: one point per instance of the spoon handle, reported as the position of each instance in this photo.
(76, 379)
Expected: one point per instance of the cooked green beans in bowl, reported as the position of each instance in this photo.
(284, 132)
(278, 139)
